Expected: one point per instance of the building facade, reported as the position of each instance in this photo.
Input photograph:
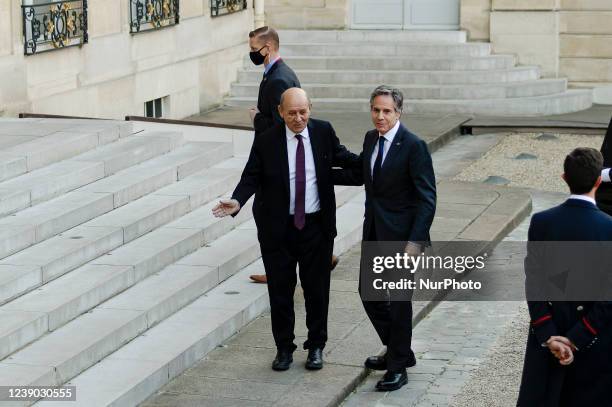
(110, 58)
(130, 57)
(566, 38)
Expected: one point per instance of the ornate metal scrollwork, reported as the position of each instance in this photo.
(223, 7)
(146, 15)
(54, 25)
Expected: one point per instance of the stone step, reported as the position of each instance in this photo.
(56, 303)
(488, 91)
(306, 76)
(169, 168)
(48, 144)
(134, 150)
(365, 63)
(154, 357)
(94, 335)
(395, 36)
(79, 245)
(42, 221)
(385, 49)
(41, 185)
(570, 101)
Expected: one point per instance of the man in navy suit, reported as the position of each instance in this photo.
(568, 361)
(400, 185)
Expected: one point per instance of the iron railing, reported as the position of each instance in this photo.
(223, 7)
(147, 15)
(54, 25)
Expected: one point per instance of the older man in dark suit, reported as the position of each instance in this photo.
(290, 167)
(568, 361)
(277, 78)
(400, 186)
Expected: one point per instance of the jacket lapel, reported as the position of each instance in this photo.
(394, 149)
(283, 158)
(316, 148)
(369, 150)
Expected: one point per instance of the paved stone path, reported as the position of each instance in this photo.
(469, 353)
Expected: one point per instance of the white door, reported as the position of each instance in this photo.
(405, 14)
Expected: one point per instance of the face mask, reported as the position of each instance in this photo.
(256, 56)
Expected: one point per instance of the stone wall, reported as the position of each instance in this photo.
(192, 64)
(566, 38)
(475, 16)
(585, 35)
(308, 14)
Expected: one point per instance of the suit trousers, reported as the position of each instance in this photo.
(311, 249)
(392, 320)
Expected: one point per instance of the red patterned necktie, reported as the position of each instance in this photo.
(299, 217)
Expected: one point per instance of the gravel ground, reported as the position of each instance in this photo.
(496, 382)
(542, 173)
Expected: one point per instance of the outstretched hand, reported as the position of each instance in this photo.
(226, 207)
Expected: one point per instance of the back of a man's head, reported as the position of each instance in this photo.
(266, 34)
(582, 168)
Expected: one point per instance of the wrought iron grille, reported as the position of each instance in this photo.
(223, 7)
(54, 25)
(146, 15)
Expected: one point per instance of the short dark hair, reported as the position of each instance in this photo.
(396, 94)
(266, 34)
(582, 167)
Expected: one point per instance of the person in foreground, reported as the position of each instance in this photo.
(400, 185)
(290, 165)
(264, 43)
(568, 360)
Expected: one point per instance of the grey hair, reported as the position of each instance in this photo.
(396, 94)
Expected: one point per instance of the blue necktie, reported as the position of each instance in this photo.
(379, 159)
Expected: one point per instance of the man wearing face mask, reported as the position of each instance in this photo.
(277, 78)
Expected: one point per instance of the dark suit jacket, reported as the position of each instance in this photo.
(587, 381)
(402, 204)
(278, 79)
(267, 173)
(604, 193)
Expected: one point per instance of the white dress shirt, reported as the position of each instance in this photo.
(389, 136)
(312, 192)
(583, 198)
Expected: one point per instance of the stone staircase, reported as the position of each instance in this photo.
(438, 71)
(114, 275)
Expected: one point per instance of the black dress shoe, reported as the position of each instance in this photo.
(392, 381)
(380, 362)
(283, 360)
(315, 359)
(376, 363)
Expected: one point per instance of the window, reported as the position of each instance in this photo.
(51, 25)
(147, 15)
(153, 108)
(222, 7)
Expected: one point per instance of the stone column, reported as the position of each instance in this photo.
(260, 17)
(530, 30)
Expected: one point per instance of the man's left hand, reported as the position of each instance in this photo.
(412, 249)
(252, 113)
